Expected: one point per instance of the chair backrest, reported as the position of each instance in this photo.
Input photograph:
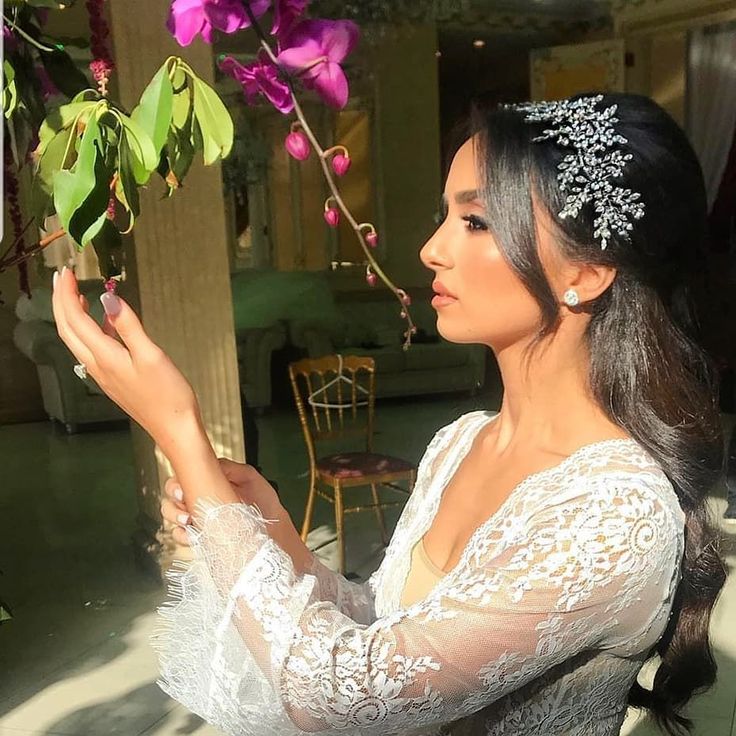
(330, 408)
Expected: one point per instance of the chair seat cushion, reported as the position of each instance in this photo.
(360, 464)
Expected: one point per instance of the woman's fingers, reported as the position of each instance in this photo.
(125, 322)
(174, 514)
(82, 327)
(77, 347)
(173, 490)
(180, 536)
(237, 473)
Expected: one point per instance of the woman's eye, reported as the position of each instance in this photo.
(475, 223)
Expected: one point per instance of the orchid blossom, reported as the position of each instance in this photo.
(188, 18)
(260, 77)
(314, 50)
(285, 13)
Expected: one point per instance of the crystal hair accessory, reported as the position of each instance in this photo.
(586, 173)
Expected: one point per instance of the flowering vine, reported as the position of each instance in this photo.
(90, 155)
(302, 51)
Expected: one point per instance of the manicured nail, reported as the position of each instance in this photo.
(183, 519)
(111, 304)
(62, 270)
(55, 279)
(178, 494)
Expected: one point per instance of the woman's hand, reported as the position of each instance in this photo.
(248, 485)
(137, 375)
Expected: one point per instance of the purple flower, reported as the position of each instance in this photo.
(48, 88)
(297, 144)
(10, 41)
(260, 77)
(314, 50)
(285, 12)
(187, 18)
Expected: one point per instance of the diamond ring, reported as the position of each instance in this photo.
(81, 370)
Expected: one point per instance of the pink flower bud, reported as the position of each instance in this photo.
(402, 314)
(372, 279)
(372, 238)
(405, 298)
(297, 144)
(332, 217)
(341, 164)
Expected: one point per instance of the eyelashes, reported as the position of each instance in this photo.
(475, 223)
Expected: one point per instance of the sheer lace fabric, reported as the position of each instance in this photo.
(542, 626)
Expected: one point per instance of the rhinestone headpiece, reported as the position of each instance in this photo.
(586, 173)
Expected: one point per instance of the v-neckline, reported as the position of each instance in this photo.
(557, 467)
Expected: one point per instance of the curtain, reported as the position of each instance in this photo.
(712, 99)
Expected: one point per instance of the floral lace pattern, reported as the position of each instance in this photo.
(542, 626)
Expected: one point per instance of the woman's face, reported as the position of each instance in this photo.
(487, 302)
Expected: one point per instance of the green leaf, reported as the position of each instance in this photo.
(153, 112)
(184, 155)
(144, 158)
(181, 108)
(64, 73)
(126, 189)
(55, 4)
(58, 119)
(10, 94)
(214, 120)
(108, 246)
(91, 215)
(71, 188)
(50, 162)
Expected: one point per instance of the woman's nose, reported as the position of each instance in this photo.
(433, 253)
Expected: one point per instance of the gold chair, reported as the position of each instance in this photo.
(334, 404)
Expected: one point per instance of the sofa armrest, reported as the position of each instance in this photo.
(39, 342)
(317, 340)
(255, 347)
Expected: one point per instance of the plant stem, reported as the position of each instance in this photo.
(15, 260)
(26, 36)
(17, 240)
(328, 175)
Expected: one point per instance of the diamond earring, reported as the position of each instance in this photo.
(571, 298)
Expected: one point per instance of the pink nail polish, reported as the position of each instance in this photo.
(183, 519)
(111, 304)
(54, 280)
(178, 494)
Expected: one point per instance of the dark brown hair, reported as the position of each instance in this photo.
(647, 371)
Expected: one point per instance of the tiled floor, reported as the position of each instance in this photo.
(76, 660)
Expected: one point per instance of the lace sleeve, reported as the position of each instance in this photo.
(355, 600)
(249, 646)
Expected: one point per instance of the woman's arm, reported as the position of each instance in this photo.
(196, 467)
(592, 571)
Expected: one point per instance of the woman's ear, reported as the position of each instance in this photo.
(590, 280)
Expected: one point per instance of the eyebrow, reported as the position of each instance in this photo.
(467, 196)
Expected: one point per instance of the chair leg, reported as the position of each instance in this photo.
(306, 524)
(339, 524)
(379, 515)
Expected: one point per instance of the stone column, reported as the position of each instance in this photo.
(178, 269)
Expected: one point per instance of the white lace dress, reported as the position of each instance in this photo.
(541, 628)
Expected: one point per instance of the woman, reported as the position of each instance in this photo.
(547, 552)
